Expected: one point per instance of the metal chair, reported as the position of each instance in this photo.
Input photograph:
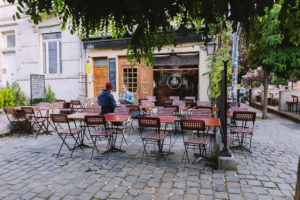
(60, 121)
(18, 122)
(199, 139)
(120, 127)
(167, 102)
(93, 109)
(154, 137)
(102, 133)
(76, 105)
(205, 112)
(134, 111)
(241, 131)
(34, 120)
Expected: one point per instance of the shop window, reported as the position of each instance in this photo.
(130, 78)
(52, 62)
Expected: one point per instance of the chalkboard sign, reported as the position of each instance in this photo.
(112, 72)
(37, 86)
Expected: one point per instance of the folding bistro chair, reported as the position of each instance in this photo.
(76, 105)
(167, 102)
(202, 112)
(134, 111)
(241, 131)
(120, 127)
(100, 134)
(93, 109)
(197, 140)
(166, 128)
(18, 122)
(65, 131)
(34, 120)
(154, 137)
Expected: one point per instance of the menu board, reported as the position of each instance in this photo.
(112, 72)
(37, 86)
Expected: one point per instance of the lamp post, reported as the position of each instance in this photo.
(222, 101)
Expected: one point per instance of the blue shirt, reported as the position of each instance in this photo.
(129, 99)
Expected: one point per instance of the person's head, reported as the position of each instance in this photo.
(109, 86)
(124, 88)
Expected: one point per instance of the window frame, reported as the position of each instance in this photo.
(45, 55)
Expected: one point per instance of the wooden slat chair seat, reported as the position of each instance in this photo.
(197, 140)
(105, 133)
(155, 137)
(240, 130)
(64, 130)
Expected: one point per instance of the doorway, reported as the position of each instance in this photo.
(100, 75)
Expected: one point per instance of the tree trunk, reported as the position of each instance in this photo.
(265, 100)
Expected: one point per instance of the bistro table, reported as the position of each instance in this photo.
(80, 117)
(115, 118)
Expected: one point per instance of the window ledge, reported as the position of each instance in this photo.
(9, 50)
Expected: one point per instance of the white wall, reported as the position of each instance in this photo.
(29, 57)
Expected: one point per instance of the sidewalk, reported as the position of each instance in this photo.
(28, 170)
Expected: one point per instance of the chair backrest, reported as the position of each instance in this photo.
(60, 100)
(175, 107)
(198, 125)
(190, 97)
(202, 112)
(44, 104)
(28, 110)
(152, 98)
(244, 116)
(121, 110)
(20, 114)
(204, 103)
(151, 122)
(133, 108)
(167, 101)
(93, 109)
(146, 102)
(140, 100)
(75, 102)
(181, 104)
(232, 109)
(165, 111)
(9, 111)
(95, 120)
(59, 118)
(59, 105)
(174, 97)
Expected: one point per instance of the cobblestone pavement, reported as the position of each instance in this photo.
(29, 170)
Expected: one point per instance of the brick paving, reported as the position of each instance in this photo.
(29, 170)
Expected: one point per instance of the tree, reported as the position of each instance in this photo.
(151, 24)
(272, 47)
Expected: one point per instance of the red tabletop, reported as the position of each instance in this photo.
(166, 119)
(146, 106)
(116, 118)
(80, 116)
(208, 121)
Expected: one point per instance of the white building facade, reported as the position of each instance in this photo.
(27, 48)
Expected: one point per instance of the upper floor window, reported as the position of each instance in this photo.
(10, 41)
(52, 62)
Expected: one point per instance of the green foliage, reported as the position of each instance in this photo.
(246, 85)
(49, 95)
(19, 96)
(273, 47)
(216, 63)
(150, 24)
(278, 81)
(256, 84)
(6, 97)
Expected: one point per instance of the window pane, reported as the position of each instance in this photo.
(44, 56)
(11, 41)
(60, 58)
(48, 36)
(52, 48)
(100, 61)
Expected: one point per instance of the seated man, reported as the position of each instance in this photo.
(126, 97)
(106, 100)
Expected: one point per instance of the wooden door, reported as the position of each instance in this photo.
(139, 78)
(100, 79)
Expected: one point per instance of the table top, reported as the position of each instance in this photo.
(208, 121)
(38, 107)
(146, 106)
(116, 118)
(166, 119)
(80, 116)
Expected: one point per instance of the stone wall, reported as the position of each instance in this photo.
(285, 96)
(4, 123)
